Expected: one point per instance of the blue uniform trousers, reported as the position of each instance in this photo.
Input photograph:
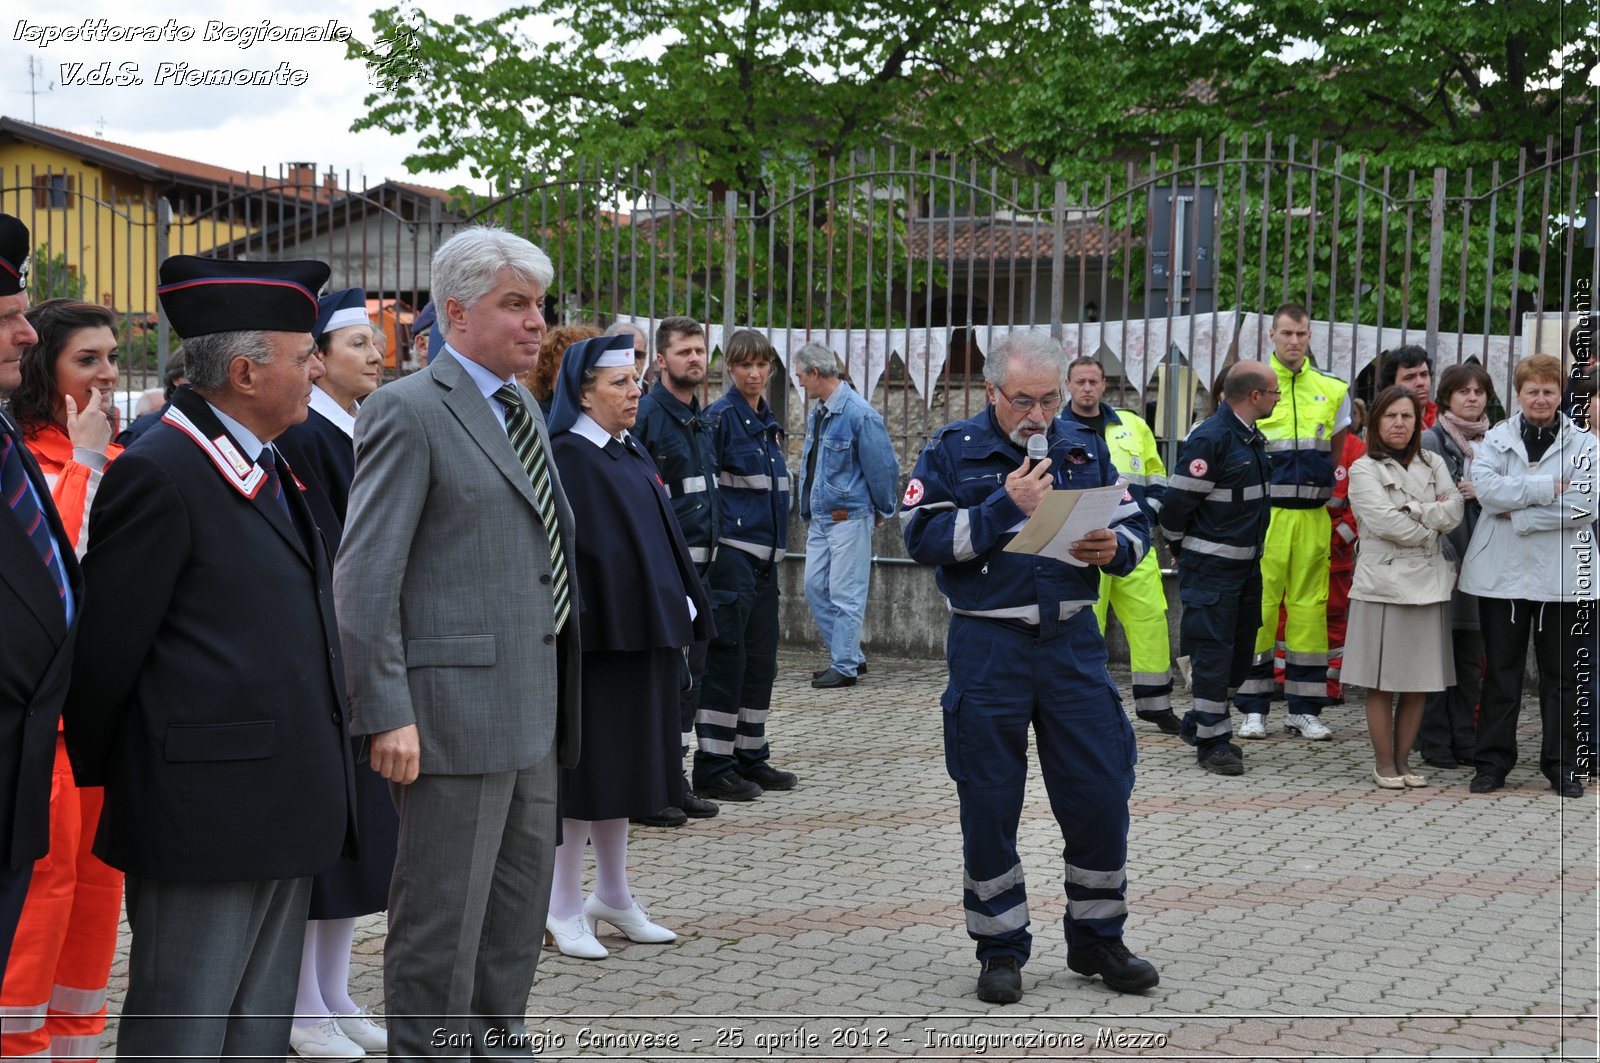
(1002, 679)
(1221, 612)
(741, 663)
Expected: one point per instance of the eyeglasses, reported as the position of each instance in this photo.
(1023, 403)
(1269, 391)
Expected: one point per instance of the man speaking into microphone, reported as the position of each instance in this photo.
(1024, 648)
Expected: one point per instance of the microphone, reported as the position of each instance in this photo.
(1038, 449)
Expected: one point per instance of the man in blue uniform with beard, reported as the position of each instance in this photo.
(1024, 649)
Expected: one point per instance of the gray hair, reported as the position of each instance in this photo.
(624, 328)
(816, 356)
(465, 267)
(1030, 347)
(206, 358)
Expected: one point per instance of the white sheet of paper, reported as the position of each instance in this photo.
(1064, 517)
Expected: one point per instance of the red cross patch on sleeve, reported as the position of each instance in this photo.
(914, 493)
(1198, 467)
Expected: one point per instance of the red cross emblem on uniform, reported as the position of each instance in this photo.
(913, 493)
(1198, 467)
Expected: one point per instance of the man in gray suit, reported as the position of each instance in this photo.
(456, 602)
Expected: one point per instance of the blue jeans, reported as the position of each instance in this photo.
(838, 570)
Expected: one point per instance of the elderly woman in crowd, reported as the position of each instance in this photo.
(1404, 500)
(542, 378)
(1531, 562)
(329, 1025)
(68, 934)
(1449, 720)
(642, 604)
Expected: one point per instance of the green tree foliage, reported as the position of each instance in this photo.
(1423, 83)
(724, 94)
(51, 277)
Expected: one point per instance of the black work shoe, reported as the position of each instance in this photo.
(696, 807)
(1484, 782)
(832, 678)
(1167, 722)
(861, 669)
(1117, 967)
(1568, 788)
(1224, 760)
(667, 817)
(767, 777)
(1000, 981)
(728, 788)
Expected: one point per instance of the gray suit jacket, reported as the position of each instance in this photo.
(442, 584)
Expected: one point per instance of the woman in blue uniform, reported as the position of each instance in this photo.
(642, 604)
(321, 451)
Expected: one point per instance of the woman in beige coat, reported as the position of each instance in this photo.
(1404, 500)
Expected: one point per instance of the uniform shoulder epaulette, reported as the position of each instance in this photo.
(1331, 376)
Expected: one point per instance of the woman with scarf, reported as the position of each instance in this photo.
(1449, 719)
(642, 604)
(1531, 563)
(1405, 501)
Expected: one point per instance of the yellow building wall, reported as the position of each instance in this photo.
(108, 230)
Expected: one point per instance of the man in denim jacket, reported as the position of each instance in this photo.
(848, 478)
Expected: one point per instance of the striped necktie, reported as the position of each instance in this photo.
(525, 438)
(21, 500)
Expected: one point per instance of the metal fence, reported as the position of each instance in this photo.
(911, 267)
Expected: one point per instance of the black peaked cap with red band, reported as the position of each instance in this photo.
(14, 250)
(206, 295)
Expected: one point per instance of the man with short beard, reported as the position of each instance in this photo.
(1024, 650)
(680, 439)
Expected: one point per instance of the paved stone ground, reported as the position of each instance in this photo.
(1295, 912)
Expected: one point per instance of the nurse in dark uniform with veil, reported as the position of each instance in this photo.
(642, 604)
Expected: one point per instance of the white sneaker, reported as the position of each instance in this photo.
(1307, 726)
(324, 1042)
(1254, 726)
(359, 1027)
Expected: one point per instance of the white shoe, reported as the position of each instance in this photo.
(1307, 726)
(324, 1042)
(633, 923)
(359, 1027)
(1254, 726)
(575, 937)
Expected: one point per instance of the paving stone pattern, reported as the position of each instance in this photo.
(1295, 912)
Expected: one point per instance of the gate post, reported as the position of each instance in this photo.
(1435, 261)
(1058, 260)
(163, 242)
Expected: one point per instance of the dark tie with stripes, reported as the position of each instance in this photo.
(525, 438)
(24, 506)
(269, 465)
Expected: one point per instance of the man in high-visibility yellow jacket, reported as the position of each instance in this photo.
(1304, 432)
(1139, 598)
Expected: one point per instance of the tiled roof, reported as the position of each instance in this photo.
(983, 238)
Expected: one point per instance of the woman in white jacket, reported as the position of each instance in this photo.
(1404, 500)
(1531, 563)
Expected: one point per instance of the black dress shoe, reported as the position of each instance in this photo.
(667, 817)
(1440, 762)
(1484, 782)
(730, 787)
(1568, 788)
(1000, 981)
(831, 678)
(861, 669)
(1117, 967)
(767, 777)
(697, 807)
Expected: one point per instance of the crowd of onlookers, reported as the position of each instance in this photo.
(1411, 547)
